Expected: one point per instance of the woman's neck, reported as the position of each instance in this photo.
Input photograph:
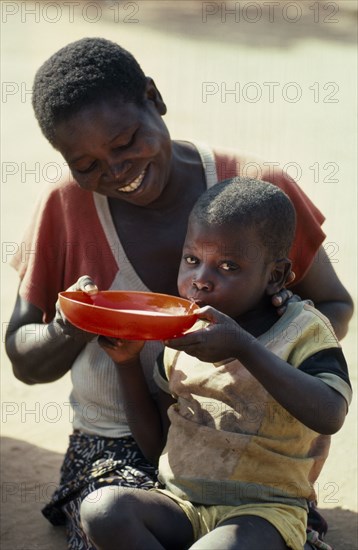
(186, 181)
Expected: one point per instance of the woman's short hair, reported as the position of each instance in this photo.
(81, 73)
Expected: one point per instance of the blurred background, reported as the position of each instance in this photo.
(277, 79)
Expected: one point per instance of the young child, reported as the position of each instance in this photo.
(254, 398)
(121, 218)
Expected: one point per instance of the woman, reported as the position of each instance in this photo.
(121, 220)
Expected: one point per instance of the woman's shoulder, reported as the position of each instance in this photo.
(66, 186)
(65, 193)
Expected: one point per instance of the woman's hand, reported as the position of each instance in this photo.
(85, 284)
(123, 352)
(281, 299)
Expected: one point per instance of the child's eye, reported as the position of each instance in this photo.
(191, 260)
(229, 266)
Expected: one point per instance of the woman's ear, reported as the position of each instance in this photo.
(280, 274)
(153, 94)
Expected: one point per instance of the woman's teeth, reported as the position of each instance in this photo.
(133, 185)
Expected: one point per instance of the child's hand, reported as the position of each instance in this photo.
(123, 352)
(219, 340)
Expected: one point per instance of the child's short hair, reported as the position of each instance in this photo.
(249, 202)
(81, 73)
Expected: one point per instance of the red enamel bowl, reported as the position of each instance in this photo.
(129, 315)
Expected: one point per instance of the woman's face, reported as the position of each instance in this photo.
(118, 149)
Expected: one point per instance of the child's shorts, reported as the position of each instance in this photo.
(290, 521)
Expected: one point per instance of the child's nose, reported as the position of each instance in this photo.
(201, 284)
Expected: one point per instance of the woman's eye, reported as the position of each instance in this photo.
(86, 170)
(229, 266)
(126, 145)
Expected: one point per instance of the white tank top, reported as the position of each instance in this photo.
(96, 397)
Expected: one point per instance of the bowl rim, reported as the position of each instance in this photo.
(62, 295)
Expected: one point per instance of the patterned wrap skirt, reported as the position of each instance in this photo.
(92, 462)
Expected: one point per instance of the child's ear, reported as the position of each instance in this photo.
(153, 94)
(279, 275)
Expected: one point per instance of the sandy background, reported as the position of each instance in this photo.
(294, 71)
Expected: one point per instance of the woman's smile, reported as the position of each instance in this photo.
(134, 184)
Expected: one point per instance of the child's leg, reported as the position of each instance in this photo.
(244, 532)
(116, 517)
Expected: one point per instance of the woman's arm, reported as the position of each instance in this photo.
(39, 352)
(42, 352)
(147, 417)
(323, 287)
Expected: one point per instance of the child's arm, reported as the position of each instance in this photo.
(147, 418)
(306, 397)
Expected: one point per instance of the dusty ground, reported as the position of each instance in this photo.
(281, 84)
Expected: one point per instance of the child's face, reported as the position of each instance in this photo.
(118, 149)
(224, 267)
